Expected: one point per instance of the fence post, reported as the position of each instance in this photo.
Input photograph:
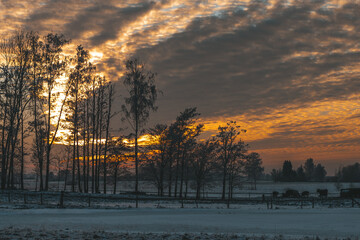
(41, 198)
(267, 204)
(9, 196)
(61, 203)
(301, 203)
(182, 203)
(352, 202)
(313, 202)
(271, 202)
(24, 198)
(89, 201)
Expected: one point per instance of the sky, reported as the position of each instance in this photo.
(286, 71)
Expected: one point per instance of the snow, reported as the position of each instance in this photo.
(332, 218)
(248, 221)
(214, 190)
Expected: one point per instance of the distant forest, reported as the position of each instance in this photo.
(48, 98)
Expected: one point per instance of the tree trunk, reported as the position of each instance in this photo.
(107, 134)
(47, 144)
(115, 176)
(224, 183)
(22, 156)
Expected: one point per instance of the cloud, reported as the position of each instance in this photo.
(279, 60)
(105, 21)
(285, 69)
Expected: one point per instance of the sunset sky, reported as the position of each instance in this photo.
(287, 71)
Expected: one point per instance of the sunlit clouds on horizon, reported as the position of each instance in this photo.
(287, 71)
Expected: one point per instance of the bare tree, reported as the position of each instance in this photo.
(14, 98)
(54, 67)
(252, 166)
(141, 100)
(77, 79)
(227, 148)
(183, 133)
(203, 163)
(117, 156)
(107, 130)
(157, 161)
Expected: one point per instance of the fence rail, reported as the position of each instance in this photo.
(126, 200)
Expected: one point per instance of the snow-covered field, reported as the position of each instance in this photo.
(161, 219)
(74, 223)
(29, 200)
(214, 190)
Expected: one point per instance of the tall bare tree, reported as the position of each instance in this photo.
(253, 166)
(183, 133)
(14, 97)
(203, 163)
(227, 147)
(140, 102)
(107, 130)
(77, 79)
(54, 67)
(157, 161)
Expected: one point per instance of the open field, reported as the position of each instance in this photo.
(29, 200)
(100, 216)
(214, 189)
(211, 197)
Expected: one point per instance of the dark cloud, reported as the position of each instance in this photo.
(255, 61)
(105, 20)
(253, 67)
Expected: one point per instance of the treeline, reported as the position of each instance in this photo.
(350, 173)
(177, 156)
(50, 98)
(309, 172)
(44, 91)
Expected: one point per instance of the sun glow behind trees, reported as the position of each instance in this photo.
(301, 127)
(146, 25)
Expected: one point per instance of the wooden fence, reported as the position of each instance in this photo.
(68, 199)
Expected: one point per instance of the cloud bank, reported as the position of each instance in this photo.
(288, 71)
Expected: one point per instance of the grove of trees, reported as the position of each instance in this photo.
(309, 172)
(44, 91)
(50, 98)
(350, 173)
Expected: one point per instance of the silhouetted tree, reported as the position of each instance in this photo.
(109, 115)
(300, 173)
(54, 67)
(141, 100)
(182, 134)
(350, 173)
(227, 148)
(309, 167)
(288, 174)
(203, 163)
(276, 175)
(319, 173)
(77, 79)
(253, 166)
(14, 86)
(157, 160)
(117, 155)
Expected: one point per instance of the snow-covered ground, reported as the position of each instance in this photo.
(162, 219)
(331, 223)
(245, 189)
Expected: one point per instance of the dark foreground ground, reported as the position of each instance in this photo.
(245, 223)
(13, 233)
